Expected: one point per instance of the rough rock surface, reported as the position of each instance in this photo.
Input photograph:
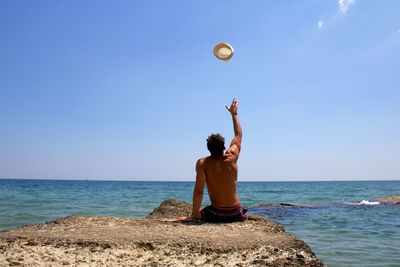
(171, 209)
(154, 241)
(390, 199)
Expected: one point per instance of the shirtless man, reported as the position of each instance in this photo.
(219, 172)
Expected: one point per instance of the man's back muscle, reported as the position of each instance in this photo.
(221, 177)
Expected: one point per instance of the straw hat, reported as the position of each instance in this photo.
(223, 51)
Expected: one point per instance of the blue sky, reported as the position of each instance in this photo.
(130, 89)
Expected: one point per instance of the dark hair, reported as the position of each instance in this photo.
(216, 144)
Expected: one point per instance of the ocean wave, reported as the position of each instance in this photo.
(369, 203)
(364, 202)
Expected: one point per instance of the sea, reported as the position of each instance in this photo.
(338, 219)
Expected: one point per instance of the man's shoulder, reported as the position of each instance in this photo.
(200, 164)
(201, 161)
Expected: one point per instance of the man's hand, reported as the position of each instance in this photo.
(185, 219)
(193, 217)
(233, 109)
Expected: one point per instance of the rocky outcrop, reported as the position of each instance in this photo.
(292, 204)
(155, 241)
(389, 199)
(281, 205)
(171, 209)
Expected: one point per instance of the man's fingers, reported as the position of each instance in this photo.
(184, 219)
(235, 103)
(179, 219)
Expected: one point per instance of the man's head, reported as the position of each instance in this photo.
(216, 144)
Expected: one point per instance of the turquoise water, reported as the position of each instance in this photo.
(340, 231)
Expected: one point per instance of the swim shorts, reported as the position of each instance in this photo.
(233, 214)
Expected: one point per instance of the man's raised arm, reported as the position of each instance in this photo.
(237, 139)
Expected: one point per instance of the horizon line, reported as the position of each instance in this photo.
(175, 180)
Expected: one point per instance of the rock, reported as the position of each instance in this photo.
(171, 209)
(15, 263)
(198, 261)
(156, 241)
(389, 199)
(291, 204)
(96, 249)
(281, 205)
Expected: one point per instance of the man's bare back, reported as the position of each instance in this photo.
(218, 172)
(221, 177)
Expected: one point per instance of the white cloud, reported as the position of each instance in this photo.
(344, 5)
(320, 24)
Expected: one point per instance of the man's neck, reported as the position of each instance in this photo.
(217, 157)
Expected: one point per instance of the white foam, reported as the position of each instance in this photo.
(366, 202)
